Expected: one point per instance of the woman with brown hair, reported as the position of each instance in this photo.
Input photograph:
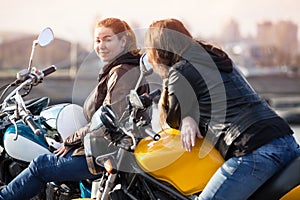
(205, 96)
(116, 46)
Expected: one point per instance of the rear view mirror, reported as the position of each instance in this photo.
(145, 69)
(145, 66)
(45, 37)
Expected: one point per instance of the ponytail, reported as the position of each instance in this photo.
(163, 105)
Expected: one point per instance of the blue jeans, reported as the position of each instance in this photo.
(239, 177)
(43, 169)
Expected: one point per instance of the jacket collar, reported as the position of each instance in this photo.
(126, 58)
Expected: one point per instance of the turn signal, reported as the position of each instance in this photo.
(109, 167)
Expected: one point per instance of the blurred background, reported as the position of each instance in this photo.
(261, 36)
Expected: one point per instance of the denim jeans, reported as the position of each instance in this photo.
(43, 169)
(239, 177)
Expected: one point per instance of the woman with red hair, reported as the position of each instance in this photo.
(116, 46)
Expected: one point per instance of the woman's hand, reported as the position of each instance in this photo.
(62, 151)
(189, 131)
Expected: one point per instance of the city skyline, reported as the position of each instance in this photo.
(74, 20)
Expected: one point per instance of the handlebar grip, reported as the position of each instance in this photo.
(152, 134)
(29, 121)
(155, 94)
(49, 70)
(147, 100)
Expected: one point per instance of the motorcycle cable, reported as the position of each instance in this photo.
(5, 89)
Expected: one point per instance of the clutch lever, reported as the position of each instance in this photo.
(13, 121)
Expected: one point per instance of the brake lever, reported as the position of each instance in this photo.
(20, 101)
(13, 121)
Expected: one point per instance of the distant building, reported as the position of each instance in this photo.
(230, 32)
(277, 42)
(286, 37)
(15, 52)
(265, 34)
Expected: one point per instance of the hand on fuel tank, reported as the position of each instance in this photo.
(189, 132)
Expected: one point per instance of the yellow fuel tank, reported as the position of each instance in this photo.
(166, 160)
(294, 194)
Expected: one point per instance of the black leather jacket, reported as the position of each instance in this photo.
(210, 89)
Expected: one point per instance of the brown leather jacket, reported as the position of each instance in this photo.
(115, 82)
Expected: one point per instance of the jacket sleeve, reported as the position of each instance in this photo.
(120, 82)
(77, 137)
(182, 100)
(117, 90)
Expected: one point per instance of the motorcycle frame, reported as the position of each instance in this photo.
(139, 176)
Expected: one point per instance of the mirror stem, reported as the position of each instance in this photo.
(139, 82)
(34, 44)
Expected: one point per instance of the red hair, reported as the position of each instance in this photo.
(121, 28)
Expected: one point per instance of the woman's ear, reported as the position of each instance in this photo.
(123, 41)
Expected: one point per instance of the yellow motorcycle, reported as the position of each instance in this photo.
(162, 169)
(141, 164)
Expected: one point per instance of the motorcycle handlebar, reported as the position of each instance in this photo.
(49, 70)
(29, 121)
(33, 77)
(148, 99)
(154, 94)
(152, 134)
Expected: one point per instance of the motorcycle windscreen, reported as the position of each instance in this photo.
(166, 160)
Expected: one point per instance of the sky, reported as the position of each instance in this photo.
(74, 19)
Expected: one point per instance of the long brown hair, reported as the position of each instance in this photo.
(121, 28)
(165, 42)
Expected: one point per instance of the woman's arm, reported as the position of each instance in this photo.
(183, 110)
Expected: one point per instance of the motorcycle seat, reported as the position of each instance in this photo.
(281, 183)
